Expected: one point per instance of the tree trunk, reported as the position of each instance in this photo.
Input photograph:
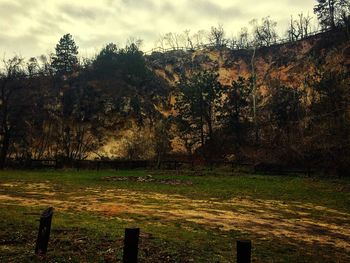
(4, 150)
(331, 13)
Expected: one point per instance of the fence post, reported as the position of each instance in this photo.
(44, 231)
(78, 165)
(244, 250)
(131, 242)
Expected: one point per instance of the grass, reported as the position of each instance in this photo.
(288, 218)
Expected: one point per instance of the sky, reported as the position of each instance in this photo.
(33, 27)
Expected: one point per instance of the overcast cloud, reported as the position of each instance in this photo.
(33, 27)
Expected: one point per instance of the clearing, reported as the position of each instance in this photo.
(184, 217)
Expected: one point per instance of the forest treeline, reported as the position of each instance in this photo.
(60, 107)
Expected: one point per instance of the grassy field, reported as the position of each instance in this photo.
(186, 217)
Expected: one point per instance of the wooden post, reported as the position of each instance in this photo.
(44, 231)
(244, 250)
(78, 165)
(131, 242)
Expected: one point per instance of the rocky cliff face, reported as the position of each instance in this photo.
(289, 63)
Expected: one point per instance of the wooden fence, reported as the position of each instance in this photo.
(175, 165)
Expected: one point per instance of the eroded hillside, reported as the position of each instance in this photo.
(290, 63)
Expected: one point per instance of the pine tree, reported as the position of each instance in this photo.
(65, 60)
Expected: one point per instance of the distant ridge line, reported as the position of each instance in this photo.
(280, 41)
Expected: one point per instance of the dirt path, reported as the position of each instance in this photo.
(264, 218)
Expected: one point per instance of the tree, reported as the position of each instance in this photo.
(235, 111)
(199, 38)
(299, 28)
(65, 60)
(332, 97)
(217, 36)
(79, 122)
(285, 108)
(162, 140)
(14, 105)
(264, 34)
(130, 88)
(172, 40)
(330, 120)
(197, 102)
(332, 13)
(325, 11)
(187, 38)
(105, 64)
(243, 39)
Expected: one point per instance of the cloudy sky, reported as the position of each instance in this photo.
(33, 27)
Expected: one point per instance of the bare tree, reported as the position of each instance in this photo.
(232, 42)
(243, 38)
(292, 32)
(304, 24)
(160, 43)
(187, 38)
(299, 28)
(199, 38)
(216, 36)
(172, 40)
(264, 34)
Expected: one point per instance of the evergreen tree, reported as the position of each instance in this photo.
(65, 60)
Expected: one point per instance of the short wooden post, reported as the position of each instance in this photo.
(44, 231)
(244, 250)
(78, 165)
(131, 242)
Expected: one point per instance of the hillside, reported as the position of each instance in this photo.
(202, 104)
(290, 63)
(298, 65)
